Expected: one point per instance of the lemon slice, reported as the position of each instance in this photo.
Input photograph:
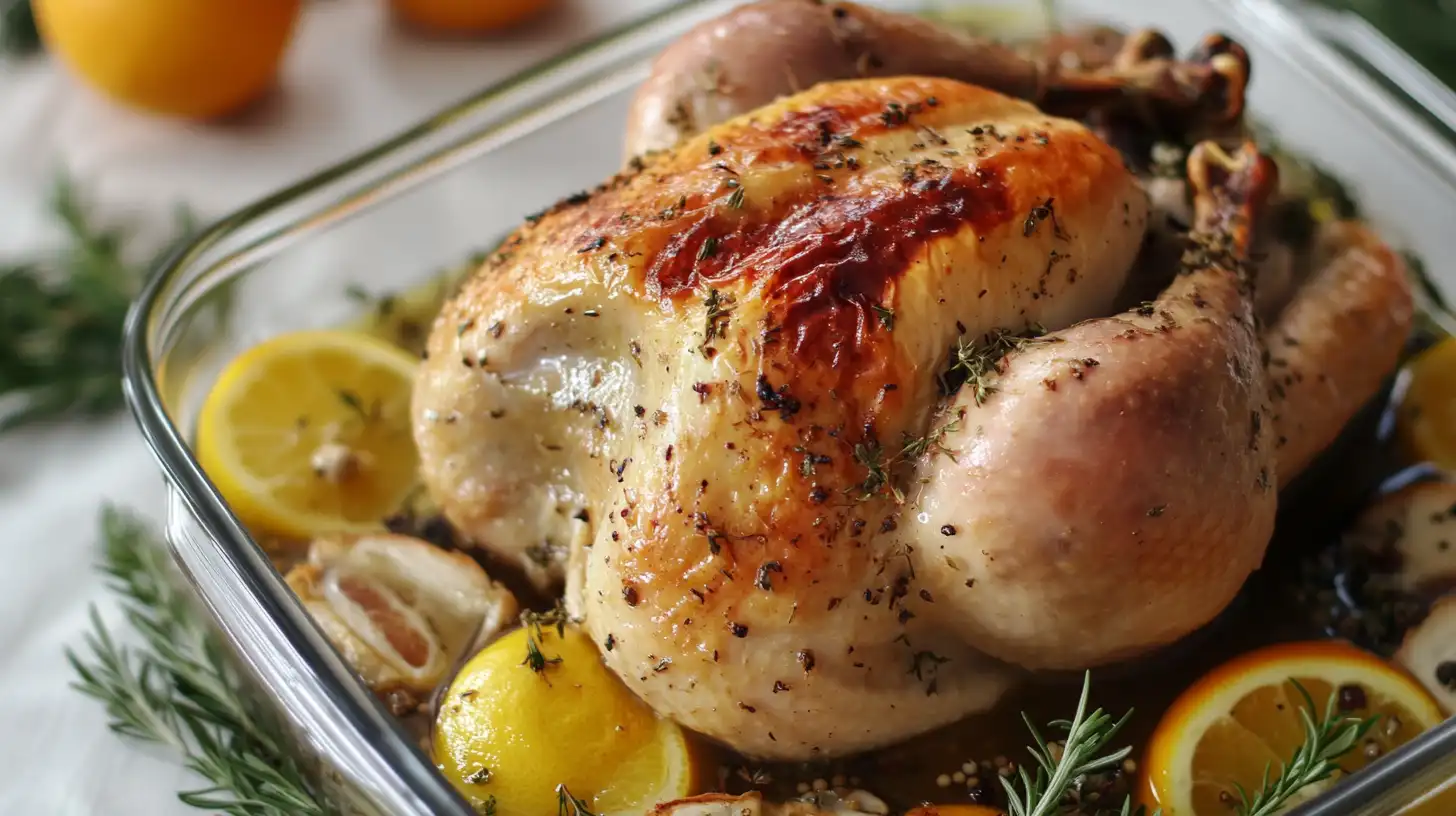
(1426, 417)
(1243, 716)
(536, 715)
(309, 433)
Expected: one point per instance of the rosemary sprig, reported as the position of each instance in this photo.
(1042, 794)
(60, 321)
(1313, 762)
(176, 690)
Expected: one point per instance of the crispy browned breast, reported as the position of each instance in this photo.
(691, 381)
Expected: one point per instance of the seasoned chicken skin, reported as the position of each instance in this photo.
(707, 371)
(770, 403)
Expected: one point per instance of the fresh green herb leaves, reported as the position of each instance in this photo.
(1087, 735)
(1313, 762)
(537, 660)
(568, 805)
(1042, 793)
(176, 689)
(717, 311)
(974, 361)
(871, 457)
(917, 446)
(886, 316)
(61, 318)
(879, 468)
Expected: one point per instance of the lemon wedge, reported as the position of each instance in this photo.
(309, 433)
(536, 717)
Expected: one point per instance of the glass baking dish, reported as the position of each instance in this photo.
(391, 216)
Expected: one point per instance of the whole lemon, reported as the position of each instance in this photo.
(536, 717)
(465, 16)
(192, 58)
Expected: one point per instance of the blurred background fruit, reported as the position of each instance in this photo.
(192, 58)
(466, 16)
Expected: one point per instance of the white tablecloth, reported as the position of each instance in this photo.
(351, 78)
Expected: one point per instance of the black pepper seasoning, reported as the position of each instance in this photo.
(1352, 698)
(1446, 674)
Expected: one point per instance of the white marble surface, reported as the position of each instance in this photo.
(350, 79)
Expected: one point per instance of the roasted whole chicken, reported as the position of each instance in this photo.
(840, 415)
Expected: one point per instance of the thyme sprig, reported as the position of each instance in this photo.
(176, 689)
(871, 456)
(533, 622)
(61, 317)
(974, 361)
(879, 475)
(1042, 793)
(568, 805)
(1325, 741)
(717, 312)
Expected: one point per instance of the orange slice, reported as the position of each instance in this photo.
(309, 433)
(1243, 717)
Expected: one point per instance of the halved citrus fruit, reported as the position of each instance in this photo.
(1426, 417)
(1244, 716)
(536, 716)
(309, 433)
(177, 57)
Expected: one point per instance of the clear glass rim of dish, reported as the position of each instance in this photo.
(433, 145)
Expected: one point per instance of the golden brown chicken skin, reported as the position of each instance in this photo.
(825, 418)
(699, 380)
